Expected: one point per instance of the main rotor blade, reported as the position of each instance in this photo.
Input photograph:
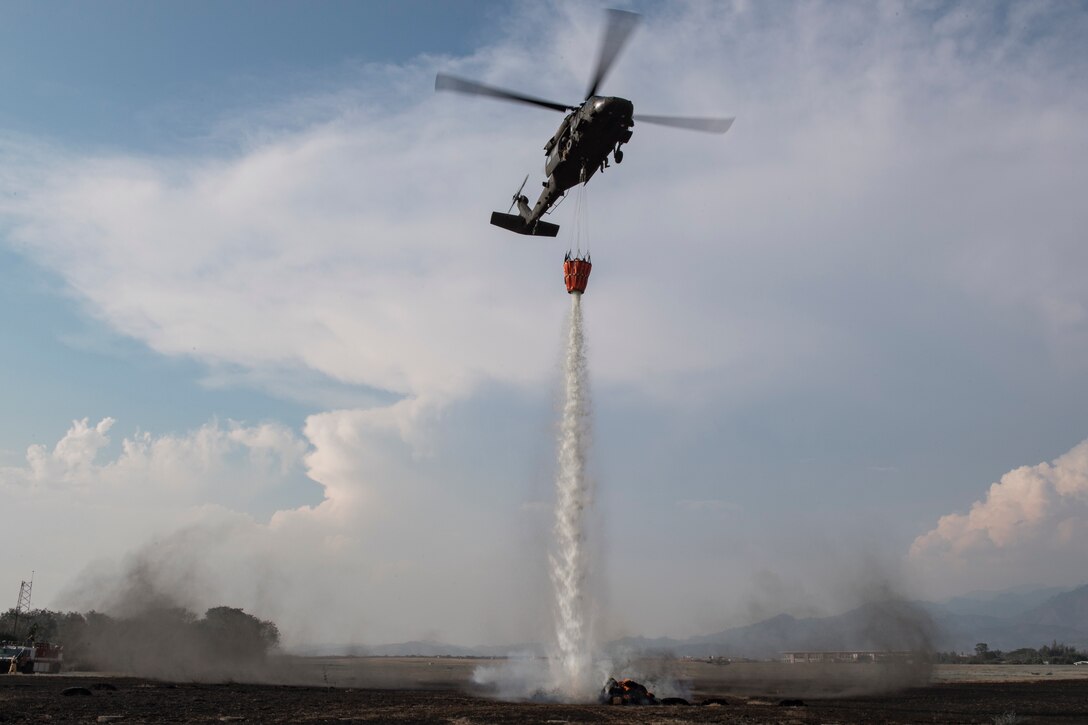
(618, 29)
(706, 125)
(443, 82)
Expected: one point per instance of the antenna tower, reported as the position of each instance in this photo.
(23, 604)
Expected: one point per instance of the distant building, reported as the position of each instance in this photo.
(847, 656)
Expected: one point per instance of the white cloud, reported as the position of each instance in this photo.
(891, 166)
(173, 516)
(356, 245)
(1032, 523)
(186, 516)
(231, 465)
(85, 505)
(73, 454)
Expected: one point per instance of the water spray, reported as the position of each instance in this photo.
(569, 560)
(572, 661)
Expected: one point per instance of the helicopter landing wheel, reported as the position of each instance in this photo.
(618, 156)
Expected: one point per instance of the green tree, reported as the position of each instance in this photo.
(34, 624)
(234, 635)
(1024, 656)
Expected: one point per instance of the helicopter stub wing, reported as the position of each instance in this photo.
(514, 223)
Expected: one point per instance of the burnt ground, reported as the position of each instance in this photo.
(41, 698)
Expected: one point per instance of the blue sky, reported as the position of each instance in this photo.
(154, 77)
(248, 244)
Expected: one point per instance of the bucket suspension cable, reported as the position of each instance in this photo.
(577, 265)
(585, 218)
(581, 220)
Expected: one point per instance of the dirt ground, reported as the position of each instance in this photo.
(411, 690)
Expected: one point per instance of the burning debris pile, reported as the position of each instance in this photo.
(629, 692)
(626, 692)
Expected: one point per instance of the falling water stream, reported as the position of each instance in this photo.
(572, 667)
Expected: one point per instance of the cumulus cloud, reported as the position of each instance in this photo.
(89, 502)
(231, 464)
(73, 454)
(360, 236)
(1032, 523)
(892, 168)
(177, 518)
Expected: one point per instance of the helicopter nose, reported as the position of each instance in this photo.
(617, 107)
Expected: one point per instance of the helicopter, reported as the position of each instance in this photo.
(590, 131)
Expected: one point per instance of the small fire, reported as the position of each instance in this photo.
(626, 692)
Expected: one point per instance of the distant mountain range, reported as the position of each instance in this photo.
(1004, 620)
(1008, 603)
(1024, 619)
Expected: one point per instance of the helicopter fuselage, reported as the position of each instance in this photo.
(590, 131)
(580, 147)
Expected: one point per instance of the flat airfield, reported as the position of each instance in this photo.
(440, 690)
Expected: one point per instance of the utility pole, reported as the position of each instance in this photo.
(23, 603)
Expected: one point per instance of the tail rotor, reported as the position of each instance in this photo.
(517, 194)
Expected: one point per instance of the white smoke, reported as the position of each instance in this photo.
(519, 677)
(1034, 521)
